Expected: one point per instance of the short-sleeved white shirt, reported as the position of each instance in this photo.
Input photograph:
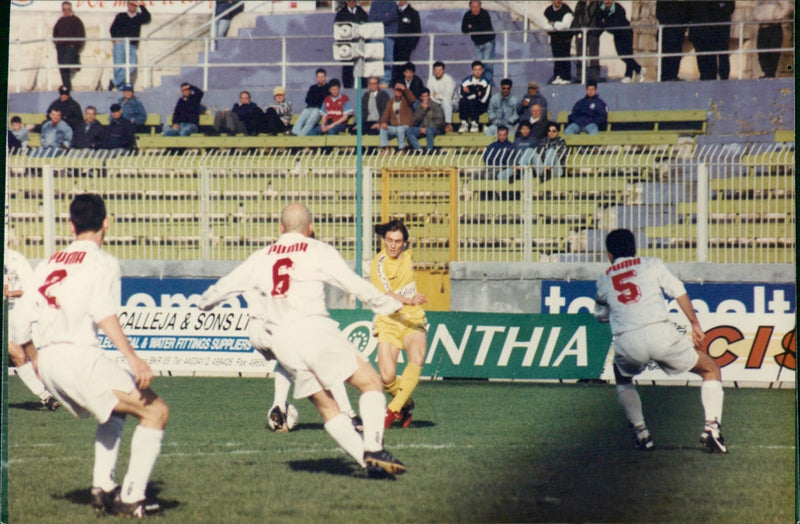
(74, 289)
(632, 288)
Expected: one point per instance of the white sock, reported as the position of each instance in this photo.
(145, 447)
(339, 393)
(629, 399)
(372, 406)
(342, 431)
(28, 376)
(282, 385)
(106, 452)
(712, 395)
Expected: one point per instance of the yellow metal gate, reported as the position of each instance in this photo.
(426, 200)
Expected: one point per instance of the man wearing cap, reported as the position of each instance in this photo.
(531, 97)
(120, 133)
(278, 114)
(125, 31)
(91, 134)
(186, 116)
(245, 117)
(70, 109)
(132, 109)
(68, 52)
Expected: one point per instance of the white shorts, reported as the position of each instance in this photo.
(660, 342)
(83, 379)
(316, 354)
(260, 336)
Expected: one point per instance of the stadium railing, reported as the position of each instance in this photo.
(219, 205)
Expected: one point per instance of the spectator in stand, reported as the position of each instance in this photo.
(397, 118)
(56, 136)
(373, 104)
(387, 14)
(671, 13)
(585, 17)
(71, 112)
(428, 122)
(91, 134)
(186, 116)
(612, 18)
(550, 154)
(477, 20)
(224, 21)
(336, 110)
(559, 17)
(537, 121)
(533, 96)
(589, 114)
(278, 114)
(309, 117)
(442, 88)
(475, 92)
(502, 109)
(18, 136)
(710, 38)
(499, 156)
(127, 25)
(524, 146)
(68, 52)
(351, 12)
(770, 34)
(132, 108)
(120, 134)
(410, 80)
(245, 117)
(407, 24)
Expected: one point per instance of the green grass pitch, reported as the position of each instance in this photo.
(476, 452)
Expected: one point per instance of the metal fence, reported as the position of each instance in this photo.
(731, 203)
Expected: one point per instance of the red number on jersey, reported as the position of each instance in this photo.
(52, 279)
(628, 291)
(281, 278)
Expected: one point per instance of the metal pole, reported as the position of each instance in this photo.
(702, 212)
(127, 61)
(359, 69)
(205, 222)
(48, 210)
(741, 50)
(659, 51)
(367, 214)
(205, 65)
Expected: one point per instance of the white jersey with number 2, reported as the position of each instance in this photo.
(632, 289)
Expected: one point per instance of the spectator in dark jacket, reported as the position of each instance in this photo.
(611, 17)
(559, 17)
(585, 17)
(428, 122)
(671, 13)
(71, 111)
(186, 116)
(350, 13)
(533, 96)
(120, 133)
(127, 25)
(309, 117)
(409, 78)
(91, 134)
(245, 117)
(477, 20)
(709, 38)
(408, 24)
(68, 52)
(224, 22)
(373, 104)
(589, 114)
(500, 155)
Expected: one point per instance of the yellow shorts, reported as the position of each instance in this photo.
(395, 328)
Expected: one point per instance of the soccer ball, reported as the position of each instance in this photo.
(290, 416)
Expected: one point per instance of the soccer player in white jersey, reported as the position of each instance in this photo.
(77, 290)
(259, 331)
(17, 277)
(306, 341)
(629, 295)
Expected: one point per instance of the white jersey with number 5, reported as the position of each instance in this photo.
(632, 289)
(72, 291)
(292, 273)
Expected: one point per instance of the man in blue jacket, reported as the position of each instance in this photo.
(499, 156)
(132, 108)
(589, 114)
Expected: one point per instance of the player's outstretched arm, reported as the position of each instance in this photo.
(698, 335)
(141, 369)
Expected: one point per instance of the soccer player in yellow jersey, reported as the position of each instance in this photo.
(391, 271)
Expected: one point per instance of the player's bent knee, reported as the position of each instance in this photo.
(17, 354)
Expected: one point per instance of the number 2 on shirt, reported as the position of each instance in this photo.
(628, 291)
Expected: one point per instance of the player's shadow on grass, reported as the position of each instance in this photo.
(416, 424)
(28, 406)
(331, 466)
(83, 497)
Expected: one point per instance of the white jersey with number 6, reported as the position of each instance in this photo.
(632, 289)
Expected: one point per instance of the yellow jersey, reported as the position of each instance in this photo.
(397, 275)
